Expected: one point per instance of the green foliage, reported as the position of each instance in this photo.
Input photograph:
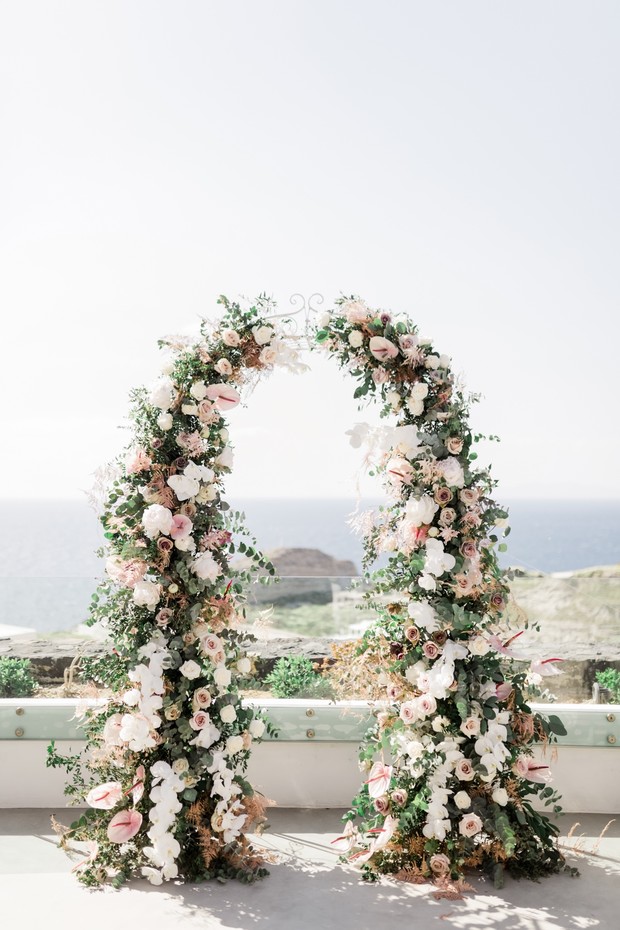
(610, 678)
(16, 678)
(295, 676)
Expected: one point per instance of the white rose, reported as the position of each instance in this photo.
(146, 593)
(228, 714)
(268, 355)
(190, 410)
(164, 421)
(224, 367)
(462, 800)
(234, 744)
(155, 520)
(198, 390)
(190, 669)
(222, 677)
(432, 361)
(420, 511)
(161, 394)
(244, 665)
(224, 434)
(230, 338)
(415, 406)
(324, 320)
(500, 796)
(452, 472)
(478, 646)
(206, 567)
(206, 494)
(183, 486)
(356, 338)
(256, 728)
(444, 361)
(225, 458)
(419, 390)
(393, 399)
(262, 334)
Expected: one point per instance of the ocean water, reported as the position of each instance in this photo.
(48, 566)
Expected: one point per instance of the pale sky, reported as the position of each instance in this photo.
(454, 160)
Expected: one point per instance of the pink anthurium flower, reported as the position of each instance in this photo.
(383, 835)
(382, 348)
(137, 789)
(181, 526)
(124, 825)
(223, 396)
(379, 779)
(92, 847)
(505, 647)
(347, 841)
(105, 797)
(546, 667)
(503, 690)
(528, 768)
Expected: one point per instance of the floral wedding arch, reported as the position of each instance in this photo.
(449, 771)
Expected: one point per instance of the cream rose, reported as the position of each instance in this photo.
(190, 669)
(230, 338)
(198, 390)
(356, 338)
(256, 728)
(224, 367)
(462, 800)
(228, 714)
(262, 335)
(164, 421)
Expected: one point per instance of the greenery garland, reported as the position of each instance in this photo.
(450, 773)
(163, 771)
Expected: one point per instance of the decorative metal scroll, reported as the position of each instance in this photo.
(298, 323)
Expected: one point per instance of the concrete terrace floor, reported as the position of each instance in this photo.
(307, 888)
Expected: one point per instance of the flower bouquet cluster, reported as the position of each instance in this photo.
(450, 771)
(162, 774)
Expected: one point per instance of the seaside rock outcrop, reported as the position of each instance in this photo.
(307, 576)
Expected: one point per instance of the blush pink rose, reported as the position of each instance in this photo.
(380, 375)
(181, 526)
(470, 825)
(440, 864)
(105, 797)
(464, 770)
(223, 396)
(200, 720)
(430, 650)
(382, 804)
(382, 348)
(124, 826)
